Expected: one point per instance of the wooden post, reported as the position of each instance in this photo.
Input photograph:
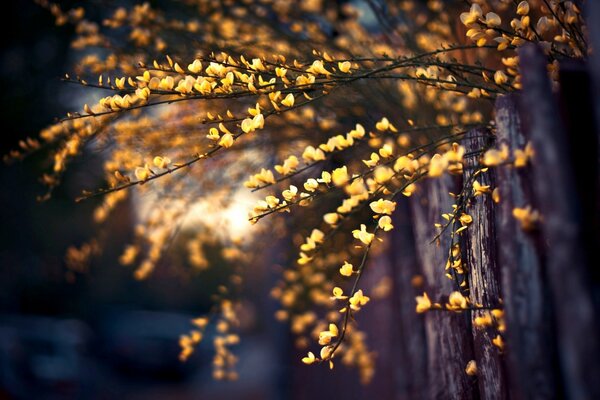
(530, 351)
(562, 230)
(410, 370)
(484, 284)
(449, 342)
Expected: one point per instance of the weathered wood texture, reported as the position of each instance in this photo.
(567, 266)
(530, 350)
(484, 283)
(449, 342)
(411, 367)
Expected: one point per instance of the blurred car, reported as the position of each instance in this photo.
(146, 344)
(42, 357)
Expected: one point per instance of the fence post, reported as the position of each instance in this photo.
(562, 229)
(531, 355)
(484, 286)
(449, 342)
(411, 366)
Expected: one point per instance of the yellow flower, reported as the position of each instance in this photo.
(290, 194)
(500, 77)
(344, 66)
(382, 206)
(331, 218)
(423, 303)
(385, 223)
(437, 165)
(358, 132)
(498, 342)
(522, 157)
(325, 352)
(338, 294)
(312, 154)
(483, 321)
(317, 68)
(280, 72)
(346, 269)
(409, 190)
(479, 189)
(405, 164)
(325, 177)
(326, 336)
(142, 93)
(166, 83)
(317, 235)
(528, 217)
(226, 140)
(471, 368)
(523, 8)
(309, 359)
(195, 67)
(362, 235)
(289, 165)
(339, 176)
(213, 134)
(161, 162)
(258, 122)
(272, 201)
(311, 185)
(257, 64)
(465, 219)
(304, 259)
(455, 154)
(468, 18)
(247, 125)
(288, 101)
(510, 62)
(386, 151)
(492, 19)
(200, 322)
(373, 161)
(543, 25)
(383, 125)
(456, 301)
(496, 195)
(142, 173)
(309, 245)
(494, 157)
(265, 176)
(358, 300)
(383, 174)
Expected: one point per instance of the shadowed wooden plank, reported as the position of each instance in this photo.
(562, 230)
(449, 341)
(530, 350)
(484, 284)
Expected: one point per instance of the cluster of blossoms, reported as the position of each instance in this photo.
(264, 98)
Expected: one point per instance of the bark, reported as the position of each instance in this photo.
(449, 344)
(567, 266)
(483, 274)
(530, 349)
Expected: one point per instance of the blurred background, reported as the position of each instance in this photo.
(101, 334)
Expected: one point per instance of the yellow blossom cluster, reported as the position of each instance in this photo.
(338, 133)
